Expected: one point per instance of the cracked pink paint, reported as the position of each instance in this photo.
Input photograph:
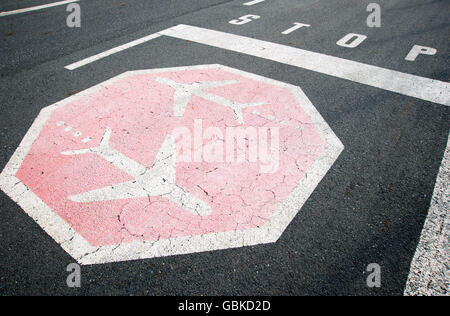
(139, 110)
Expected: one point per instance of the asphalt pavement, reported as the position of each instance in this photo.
(371, 205)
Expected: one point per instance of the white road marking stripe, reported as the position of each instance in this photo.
(253, 2)
(429, 273)
(111, 51)
(39, 7)
(410, 85)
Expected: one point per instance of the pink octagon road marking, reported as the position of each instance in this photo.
(171, 161)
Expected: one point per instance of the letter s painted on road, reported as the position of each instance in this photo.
(244, 19)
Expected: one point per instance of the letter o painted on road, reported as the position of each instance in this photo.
(351, 40)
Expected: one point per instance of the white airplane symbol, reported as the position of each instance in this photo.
(159, 180)
(184, 92)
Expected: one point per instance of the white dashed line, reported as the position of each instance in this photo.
(253, 2)
(410, 85)
(39, 7)
(111, 51)
(429, 273)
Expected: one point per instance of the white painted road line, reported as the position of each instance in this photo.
(253, 2)
(410, 85)
(39, 7)
(429, 273)
(111, 51)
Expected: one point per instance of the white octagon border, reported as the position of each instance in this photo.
(85, 254)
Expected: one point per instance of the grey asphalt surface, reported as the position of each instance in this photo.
(369, 208)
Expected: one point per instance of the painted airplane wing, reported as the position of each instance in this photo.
(161, 175)
(131, 189)
(121, 191)
(184, 91)
(164, 166)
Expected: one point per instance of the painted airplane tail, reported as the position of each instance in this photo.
(201, 85)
